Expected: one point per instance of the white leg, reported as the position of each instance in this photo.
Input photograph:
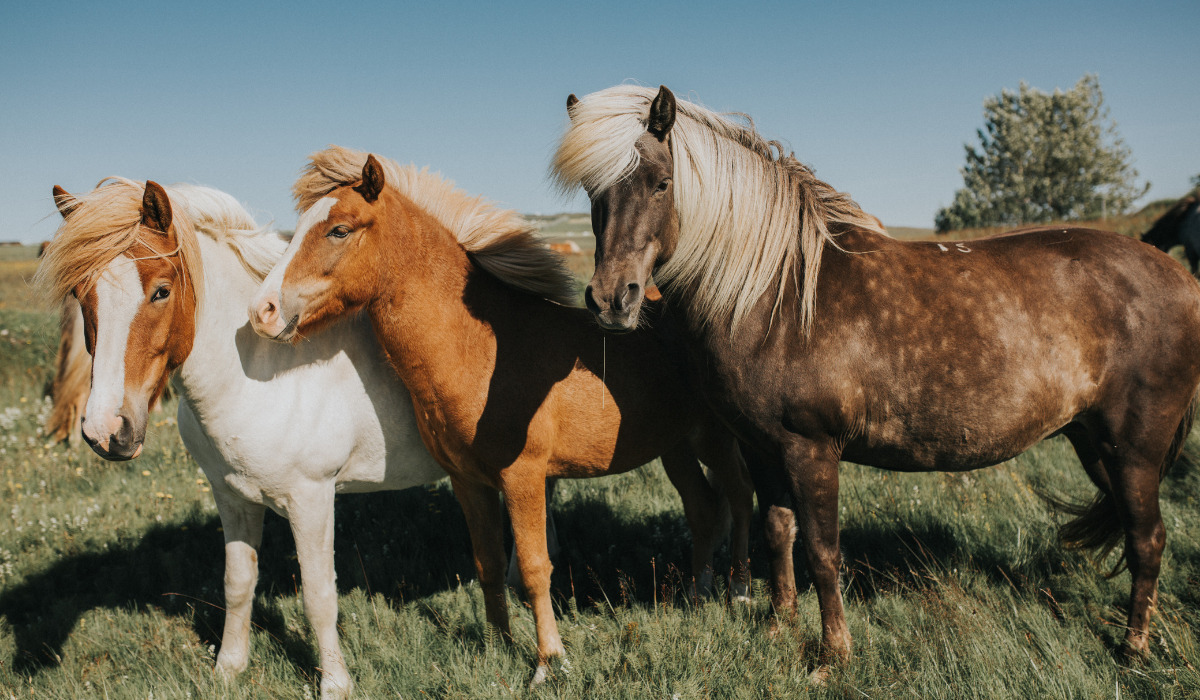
(310, 514)
(242, 522)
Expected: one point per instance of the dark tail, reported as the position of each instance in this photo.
(1096, 525)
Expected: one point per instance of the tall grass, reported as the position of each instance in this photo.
(111, 583)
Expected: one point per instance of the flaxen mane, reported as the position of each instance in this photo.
(106, 223)
(500, 241)
(749, 214)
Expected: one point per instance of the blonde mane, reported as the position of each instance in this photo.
(106, 223)
(499, 240)
(750, 214)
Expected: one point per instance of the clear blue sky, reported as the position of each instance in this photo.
(879, 99)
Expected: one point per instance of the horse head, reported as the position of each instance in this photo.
(123, 262)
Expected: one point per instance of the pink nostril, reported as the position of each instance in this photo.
(268, 312)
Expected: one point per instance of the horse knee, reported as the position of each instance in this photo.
(780, 528)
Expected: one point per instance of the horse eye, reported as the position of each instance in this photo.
(160, 294)
(338, 232)
(662, 186)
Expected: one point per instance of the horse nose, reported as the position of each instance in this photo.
(590, 301)
(122, 441)
(627, 296)
(267, 311)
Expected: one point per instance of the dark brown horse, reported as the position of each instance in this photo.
(818, 338)
(1180, 225)
(509, 387)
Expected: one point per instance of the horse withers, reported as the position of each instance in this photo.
(819, 338)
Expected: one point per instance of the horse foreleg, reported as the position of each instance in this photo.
(485, 521)
(813, 470)
(525, 495)
(552, 546)
(719, 450)
(310, 514)
(700, 507)
(779, 524)
(242, 523)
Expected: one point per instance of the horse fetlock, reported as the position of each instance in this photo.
(336, 687)
(545, 670)
(230, 663)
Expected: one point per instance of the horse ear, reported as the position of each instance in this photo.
(372, 180)
(156, 207)
(572, 100)
(64, 201)
(662, 113)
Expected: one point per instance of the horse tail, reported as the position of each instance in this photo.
(1097, 525)
(72, 378)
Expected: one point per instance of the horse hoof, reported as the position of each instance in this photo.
(543, 670)
(820, 676)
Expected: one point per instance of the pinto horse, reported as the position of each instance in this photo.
(818, 338)
(509, 387)
(1180, 225)
(163, 276)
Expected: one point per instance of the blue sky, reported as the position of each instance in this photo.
(879, 99)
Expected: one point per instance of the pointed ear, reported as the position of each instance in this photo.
(156, 207)
(662, 113)
(64, 201)
(572, 100)
(372, 180)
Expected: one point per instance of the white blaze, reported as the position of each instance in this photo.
(315, 214)
(118, 299)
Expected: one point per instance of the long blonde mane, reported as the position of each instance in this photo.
(750, 214)
(106, 223)
(498, 240)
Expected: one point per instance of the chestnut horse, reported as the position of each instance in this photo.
(72, 377)
(818, 338)
(163, 276)
(509, 387)
(1180, 225)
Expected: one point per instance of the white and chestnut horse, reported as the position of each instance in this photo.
(163, 277)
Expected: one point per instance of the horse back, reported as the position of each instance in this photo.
(948, 355)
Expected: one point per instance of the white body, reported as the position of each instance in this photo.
(275, 426)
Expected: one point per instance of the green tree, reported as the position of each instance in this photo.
(1044, 157)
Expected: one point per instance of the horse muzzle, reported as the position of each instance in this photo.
(121, 439)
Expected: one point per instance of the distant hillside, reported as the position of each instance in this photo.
(1134, 224)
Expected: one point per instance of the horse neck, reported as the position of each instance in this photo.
(212, 368)
(419, 315)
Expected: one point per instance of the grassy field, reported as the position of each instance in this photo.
(111, 580)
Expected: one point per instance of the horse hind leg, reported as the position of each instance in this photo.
(701, 508)
(1137, 459)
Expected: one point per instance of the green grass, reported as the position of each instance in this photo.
(111, 583)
